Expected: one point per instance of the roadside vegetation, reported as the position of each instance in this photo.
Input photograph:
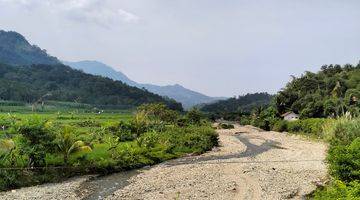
(343, 136)
(41, 148)
(328, 103)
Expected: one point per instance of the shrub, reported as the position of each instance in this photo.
(345, 161)
(342, 131)
(280, 126)
(312, 126)
(194, 116)
(244, 120)
(339, 190)
(37, 139)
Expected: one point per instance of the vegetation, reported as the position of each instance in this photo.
(38, 83)
(234, 108)
(15, 50)
(50, 147)
(343, 136)
(331, 92)
(311, 127)
(326, 101)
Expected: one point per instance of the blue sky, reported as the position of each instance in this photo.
(220, 48)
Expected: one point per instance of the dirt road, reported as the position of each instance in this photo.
(249, 164)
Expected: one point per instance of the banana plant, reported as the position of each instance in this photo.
(67, 145)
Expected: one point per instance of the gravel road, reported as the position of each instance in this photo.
(249, 164)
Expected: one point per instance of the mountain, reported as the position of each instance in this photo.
(28, 74)
(243, 103)
(98, 68)
(16, 50)
(187, 97)
(183, 95)
(62, 83)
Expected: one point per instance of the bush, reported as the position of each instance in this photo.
(339, 190)
(194, 116)
(342, 131)
(37, 140)
(313, 127)
(280, 126)
(345, 161)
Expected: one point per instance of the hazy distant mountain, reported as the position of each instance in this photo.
(98, 68)
(183, 95)
(16, 50)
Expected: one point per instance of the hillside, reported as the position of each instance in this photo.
(331, 92)
(28, 73)
(62, 83)
(16, 50)
(187, 97)
(241, 104)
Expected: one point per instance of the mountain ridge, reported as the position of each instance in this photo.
(16, 50)
(28, 73)
(187, 97)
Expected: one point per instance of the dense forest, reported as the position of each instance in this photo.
(16, 50)
(333, 91)
(62, 83)
(238, 106)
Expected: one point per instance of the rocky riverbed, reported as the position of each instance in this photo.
(249, 164)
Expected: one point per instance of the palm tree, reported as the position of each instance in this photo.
(67, 145)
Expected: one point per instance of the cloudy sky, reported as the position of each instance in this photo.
(218, 47)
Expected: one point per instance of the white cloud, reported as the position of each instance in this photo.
(127, 16)
(89, 11)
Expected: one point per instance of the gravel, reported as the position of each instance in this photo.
(275, 166)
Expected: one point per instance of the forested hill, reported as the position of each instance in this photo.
(241, 104)
(28, 73)
(16, 50)
(331, 92)
(62, 83)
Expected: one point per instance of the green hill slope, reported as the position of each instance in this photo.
(28, 73)
(62, 83)
(16, 50)
(241, 104)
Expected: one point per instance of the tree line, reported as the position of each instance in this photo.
(62, 83)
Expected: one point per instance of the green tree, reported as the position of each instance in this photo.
(67, 145)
